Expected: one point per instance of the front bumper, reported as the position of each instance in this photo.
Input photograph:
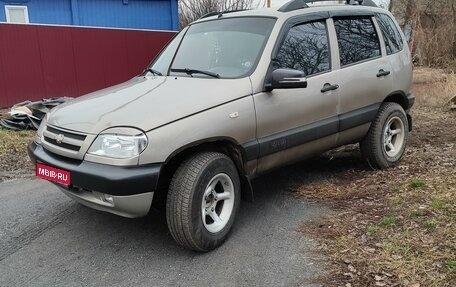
(123, 190)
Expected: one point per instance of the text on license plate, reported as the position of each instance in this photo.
(53, 174)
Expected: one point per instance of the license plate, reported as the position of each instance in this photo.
(53, 174)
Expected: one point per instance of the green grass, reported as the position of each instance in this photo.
(399, 201)
(388, 221)
(430, 224)
(373, 229)
(405, 250)
(437, 203)
(417, 184)
(452, 265)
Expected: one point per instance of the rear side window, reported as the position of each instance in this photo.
(392, 37)
(305, 48)
(358, 40)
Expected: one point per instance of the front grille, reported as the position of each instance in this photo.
(63, 142)
(66, 133)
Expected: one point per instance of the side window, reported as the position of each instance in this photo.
(358, 40)
(305, 48)
(392, 37)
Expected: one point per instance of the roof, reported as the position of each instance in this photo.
(275, 13)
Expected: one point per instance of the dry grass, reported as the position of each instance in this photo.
(395, 227)
(14, 161)
(434, 87)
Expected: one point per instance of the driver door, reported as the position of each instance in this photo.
(295, 123)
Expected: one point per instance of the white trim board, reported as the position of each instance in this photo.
(8, 8)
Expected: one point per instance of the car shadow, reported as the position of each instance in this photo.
(263, 248)
(272, 190)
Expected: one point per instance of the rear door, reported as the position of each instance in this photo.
(365, 76)
(397, 53)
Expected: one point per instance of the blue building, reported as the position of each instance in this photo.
(134, 14)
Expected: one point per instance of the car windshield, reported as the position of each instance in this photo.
(223, 48)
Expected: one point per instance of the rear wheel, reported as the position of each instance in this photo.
(386, 140)
(203, 199)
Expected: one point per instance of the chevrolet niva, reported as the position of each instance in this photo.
(232, 96)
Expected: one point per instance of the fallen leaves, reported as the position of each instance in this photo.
(393, 227)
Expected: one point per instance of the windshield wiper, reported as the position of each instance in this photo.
(153, 71)
(195, 71)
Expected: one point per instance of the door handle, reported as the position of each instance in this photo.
(383, 73)
(328, 87)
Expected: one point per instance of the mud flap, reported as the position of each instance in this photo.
(410, 122)
(246, 189)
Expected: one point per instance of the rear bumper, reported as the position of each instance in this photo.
(123, 190)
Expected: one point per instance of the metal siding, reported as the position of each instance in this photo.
(57, 61)
(175, 15)
(3, 94)
(136, 14)
(50, 12)
(21, 64)
(140, 43)
(43, 61)
(2, 13)
(87, 47)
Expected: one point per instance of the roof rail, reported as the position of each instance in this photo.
(220, 14)
(209, 15)
(300, 4)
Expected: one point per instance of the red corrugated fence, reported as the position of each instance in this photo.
(53, 61)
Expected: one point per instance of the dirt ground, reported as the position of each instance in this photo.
(395, 227)
(389, 228)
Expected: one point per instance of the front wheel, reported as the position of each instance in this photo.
(203, 199)
(386, 140)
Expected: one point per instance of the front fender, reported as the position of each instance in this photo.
(235, 121)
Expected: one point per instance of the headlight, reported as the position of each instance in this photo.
(118, 145)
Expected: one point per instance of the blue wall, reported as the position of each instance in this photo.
(136, 14)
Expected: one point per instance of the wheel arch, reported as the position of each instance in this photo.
(225, 145)
(398, 97)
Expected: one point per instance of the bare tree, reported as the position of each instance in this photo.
(434, 30)
(191, 10)
(453, 9)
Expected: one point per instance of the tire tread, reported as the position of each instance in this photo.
(370, 148)
(179, 203)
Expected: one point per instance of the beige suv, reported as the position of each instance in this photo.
(232, 96)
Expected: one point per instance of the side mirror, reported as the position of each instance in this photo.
(288, 79)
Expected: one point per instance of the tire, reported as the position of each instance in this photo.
(207, 176)
(386, 140)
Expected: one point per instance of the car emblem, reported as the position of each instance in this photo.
(59, 138)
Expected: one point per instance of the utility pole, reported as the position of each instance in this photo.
(269, 3)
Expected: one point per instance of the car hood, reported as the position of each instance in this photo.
(146, 103)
